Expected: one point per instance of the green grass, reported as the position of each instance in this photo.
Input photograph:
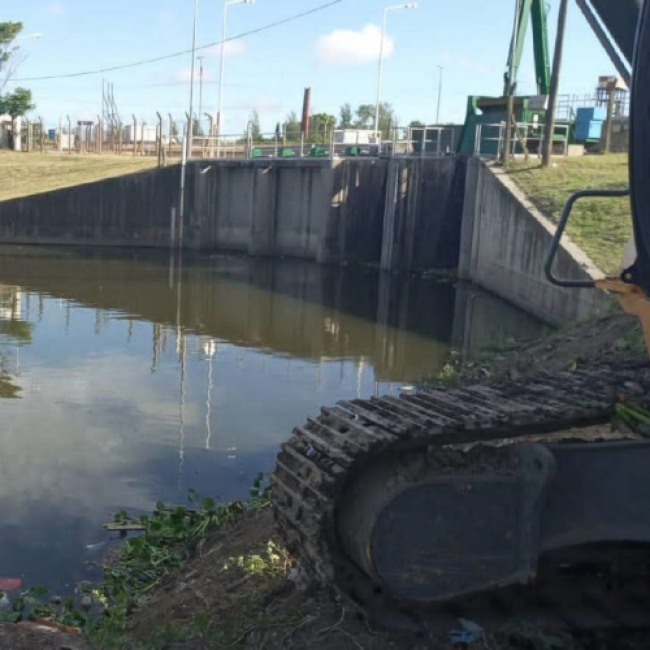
(601, 227)
(23, 174)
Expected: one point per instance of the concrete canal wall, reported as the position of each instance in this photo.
(504, 242)
(404, 213)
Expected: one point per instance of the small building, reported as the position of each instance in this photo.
(143, 133)
(9, 140)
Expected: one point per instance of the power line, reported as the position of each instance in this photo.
(165, 57)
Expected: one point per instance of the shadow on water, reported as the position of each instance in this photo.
(134, 390)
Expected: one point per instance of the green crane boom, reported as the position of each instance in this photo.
(540, 42)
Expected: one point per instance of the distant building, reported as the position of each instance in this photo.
(143, 133)
(9, 140)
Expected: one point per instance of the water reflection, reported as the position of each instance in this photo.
(14, 332)
(134, 391)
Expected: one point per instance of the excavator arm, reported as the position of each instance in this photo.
(536, 9)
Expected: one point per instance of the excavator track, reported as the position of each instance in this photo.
(325, 454)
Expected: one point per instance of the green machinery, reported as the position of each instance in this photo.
(484, 111)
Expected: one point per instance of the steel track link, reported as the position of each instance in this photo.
(314, 466)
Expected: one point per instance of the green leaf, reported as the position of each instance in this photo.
(209, 504)
(39, 591)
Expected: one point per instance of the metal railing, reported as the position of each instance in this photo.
(568, 105)
(420, 142)
(527, 138)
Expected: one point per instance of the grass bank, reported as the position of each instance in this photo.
(23, 174)
(601, 227)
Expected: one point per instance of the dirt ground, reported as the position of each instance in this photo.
(247, 608)
(15, 637)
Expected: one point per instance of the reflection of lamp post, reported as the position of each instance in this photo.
(226, 4)
(408, 5)
(210, 351)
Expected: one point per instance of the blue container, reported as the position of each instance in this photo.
(593, 113)
(589, 123)
(589, 130)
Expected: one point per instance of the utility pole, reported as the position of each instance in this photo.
(190, 130)
(306, 112)
(200, 59)
(511, 88)
(547, 147)
(385, 10)
(441, 69)
(611, 102)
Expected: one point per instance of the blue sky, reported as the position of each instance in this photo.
(269, 71)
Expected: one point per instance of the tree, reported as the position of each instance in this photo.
(197, 129)
(320, 125)
(292, 126)
(346, 120)
(278, 131)
(16, 104)
(9, 60)
(366, 118)
(254, 126)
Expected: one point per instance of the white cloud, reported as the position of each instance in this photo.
(349, 47)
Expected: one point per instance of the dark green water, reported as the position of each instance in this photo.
(123, 385)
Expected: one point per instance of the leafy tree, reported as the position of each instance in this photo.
(255, 128)
(366, 118)
(416, 124)
(197, 129)
(347, 118)
(16, 104)
(8, 60)
(292, 126)
(320, 126)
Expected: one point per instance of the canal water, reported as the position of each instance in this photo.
(124, 380)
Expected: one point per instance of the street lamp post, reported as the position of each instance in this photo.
(439, 95)
(200, 59)
(387, 8)
(226, 4)
(190, 130)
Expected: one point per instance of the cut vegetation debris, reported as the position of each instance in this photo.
(601, 227)
(23, 174)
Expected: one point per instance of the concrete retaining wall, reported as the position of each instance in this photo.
(321, 210)
(504, 242)
(424, 208)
